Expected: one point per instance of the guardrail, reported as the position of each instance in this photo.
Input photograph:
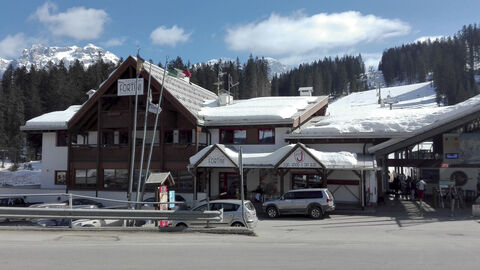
(123, 214)
(69, 212)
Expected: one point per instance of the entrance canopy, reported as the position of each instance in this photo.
(291, 156)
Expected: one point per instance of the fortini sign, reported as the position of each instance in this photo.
(126, 87)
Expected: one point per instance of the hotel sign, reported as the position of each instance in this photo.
(126, 87)
(299, 159)
(217, 159)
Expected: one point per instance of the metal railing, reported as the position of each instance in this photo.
(123, 214)
(69, 212)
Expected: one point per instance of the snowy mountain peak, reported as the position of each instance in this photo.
(275, 66)
(39, 56)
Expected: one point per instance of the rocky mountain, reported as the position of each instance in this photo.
(39, 56)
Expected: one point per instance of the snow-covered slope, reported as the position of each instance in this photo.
(39, 56)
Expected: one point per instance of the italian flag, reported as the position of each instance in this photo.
(178, 73)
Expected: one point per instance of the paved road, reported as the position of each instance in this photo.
(381, 241)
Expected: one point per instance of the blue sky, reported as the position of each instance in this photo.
(292, 31)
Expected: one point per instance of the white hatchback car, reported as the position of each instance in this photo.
(232, 214)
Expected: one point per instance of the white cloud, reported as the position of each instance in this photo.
(114, 42)
(169, 36)
(78, 22)
(300, 36)
(12, 46)
(431, 38)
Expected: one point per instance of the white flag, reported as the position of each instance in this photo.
(154, 108)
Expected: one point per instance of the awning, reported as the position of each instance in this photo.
(164, 178)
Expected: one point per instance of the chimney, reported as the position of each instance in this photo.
(305, 91)
(91, 92)
(225, 99)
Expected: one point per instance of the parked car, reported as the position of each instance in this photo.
(178, 198)
(315, 202)
(84, 201)
(232, 214)
(47, 222)
(15, 202)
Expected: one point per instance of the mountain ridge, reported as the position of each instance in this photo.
(39, 56)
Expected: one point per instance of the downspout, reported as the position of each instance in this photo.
(194, 175)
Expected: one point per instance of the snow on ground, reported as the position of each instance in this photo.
(360, 112)
(23, 176)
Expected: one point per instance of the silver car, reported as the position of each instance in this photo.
(232, 214)
(315, 202)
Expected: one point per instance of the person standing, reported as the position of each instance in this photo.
(421, 189)
(421, 194)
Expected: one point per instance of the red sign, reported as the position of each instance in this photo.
(444, 165)
(163, 197)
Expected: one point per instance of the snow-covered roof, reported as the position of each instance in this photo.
(331, 160)
(51, 121)
(190, 95)
(258, 110)
(360, 115)
(445, 115)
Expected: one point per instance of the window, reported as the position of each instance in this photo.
(86, 178)
(80, 139)
(289, 196)
(233, 136)
(168, 136)
(123, 137)
(266, 135)
(62, 138)
(60, 177)
(108, 137)
(115, 179)
(201, 208)
(308, 195)
(185, 137)
(306, 181)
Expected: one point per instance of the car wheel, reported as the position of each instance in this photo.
(315, 212)
(272, 212)
(181, 226)
(237, 224)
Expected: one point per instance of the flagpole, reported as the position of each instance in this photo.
(130, 183)
(155, 126)
(147, 104)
